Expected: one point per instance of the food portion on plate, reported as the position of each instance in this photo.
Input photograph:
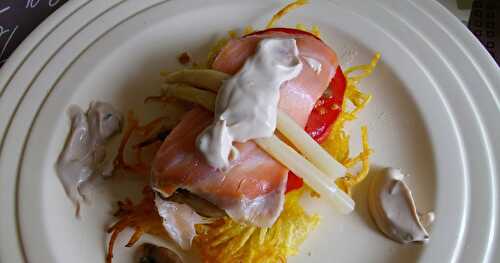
(257, 126)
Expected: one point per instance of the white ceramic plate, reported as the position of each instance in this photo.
(434, 114)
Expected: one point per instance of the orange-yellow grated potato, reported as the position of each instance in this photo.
(284, 11)
(229, 241)
(337, 143)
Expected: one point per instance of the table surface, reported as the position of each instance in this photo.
(451, 5)
(18, 18)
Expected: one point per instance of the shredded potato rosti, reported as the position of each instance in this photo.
(337, 143)
(140, 166)
(229, 241)
(142, 217)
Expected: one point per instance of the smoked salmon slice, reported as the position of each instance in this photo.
(252, 189)
(298, 96)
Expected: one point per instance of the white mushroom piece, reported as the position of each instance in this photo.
(393, 209)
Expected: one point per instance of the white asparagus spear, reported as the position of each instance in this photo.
(203, 78)
(308, 147)
(312, 176)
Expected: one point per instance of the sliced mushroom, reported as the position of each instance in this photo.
(199, 205)
(202, 78)
(155, 254)
(393, 209)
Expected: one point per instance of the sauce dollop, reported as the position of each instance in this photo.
(246, 104)
(84, 154)
(393, 209)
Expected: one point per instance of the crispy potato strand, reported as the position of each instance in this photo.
(140, 167)
(143, 218)
(284, 11)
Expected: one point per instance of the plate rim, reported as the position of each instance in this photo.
(23, 52)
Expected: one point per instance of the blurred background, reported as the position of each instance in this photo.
(19, 17)
(460, 8)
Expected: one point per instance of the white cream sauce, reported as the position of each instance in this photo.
(84, 153)
(393, 209)
(246, 104)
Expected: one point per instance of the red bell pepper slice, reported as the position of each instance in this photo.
(327, 109)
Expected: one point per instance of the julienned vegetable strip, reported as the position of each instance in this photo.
(308, 147)
(316, 179)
